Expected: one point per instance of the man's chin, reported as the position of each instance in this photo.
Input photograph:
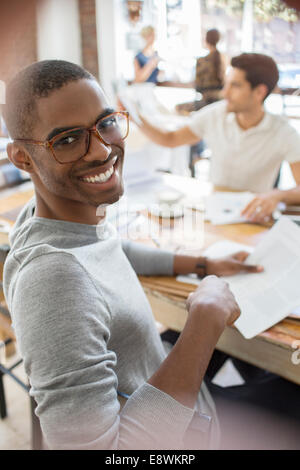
(229, 107)
(115, 198)
(109, 200)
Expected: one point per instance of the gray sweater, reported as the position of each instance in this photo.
(85, 330)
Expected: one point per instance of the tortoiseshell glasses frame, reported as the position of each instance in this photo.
(110, 129)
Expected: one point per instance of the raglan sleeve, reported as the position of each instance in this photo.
(148, 261)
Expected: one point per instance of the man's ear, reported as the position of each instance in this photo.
(19, 157)
(261, 91)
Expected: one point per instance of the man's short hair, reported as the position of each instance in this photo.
(259, 69)
(37, 80)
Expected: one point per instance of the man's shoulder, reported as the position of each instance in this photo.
(282, 126)
(31, 238)
(40, 262)
(203, 122)
(278, 120)
(38, 268)
(52, 287)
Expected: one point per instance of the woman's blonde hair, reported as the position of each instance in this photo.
(146, 31)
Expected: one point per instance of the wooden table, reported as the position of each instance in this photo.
(275, 349)
(271, 350)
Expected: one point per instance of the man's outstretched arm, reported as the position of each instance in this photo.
(150, 261)
(172, 139)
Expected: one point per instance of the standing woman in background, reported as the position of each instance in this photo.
(209, 76)
(146, 61)
(210, 71)
(209, 81)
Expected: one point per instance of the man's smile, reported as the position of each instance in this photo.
(107, 175)
(100, 174)
(100, 178)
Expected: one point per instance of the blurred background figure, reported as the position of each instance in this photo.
(210, 71)
(209, 81)
(146, 61)
(209, 76)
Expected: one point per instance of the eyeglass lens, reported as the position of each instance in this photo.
(72, 145)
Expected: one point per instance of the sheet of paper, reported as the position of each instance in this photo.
(296, 311)
(130, 106)
(226, 248)
(228, 376)
(139, 98)
(268, 297)
(225, 207)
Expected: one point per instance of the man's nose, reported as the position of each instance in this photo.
(97, 150)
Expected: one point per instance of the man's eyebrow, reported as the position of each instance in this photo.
(104, 113)
(58, 130)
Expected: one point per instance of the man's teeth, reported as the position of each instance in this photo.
(101, 178)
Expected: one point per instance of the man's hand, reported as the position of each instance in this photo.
(260, 209)
(213, 299)
(230, 265)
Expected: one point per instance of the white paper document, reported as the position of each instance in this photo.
(268, 297)
(225, 207)
(226, 248)
(296, 311)
(139, 98)
(130, 106)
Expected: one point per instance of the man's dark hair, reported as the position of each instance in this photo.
(259, 69)
(37, 80)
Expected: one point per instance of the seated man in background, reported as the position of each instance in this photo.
(248, 144)
(83, 324)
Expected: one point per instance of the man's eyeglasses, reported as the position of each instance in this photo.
(73, 144)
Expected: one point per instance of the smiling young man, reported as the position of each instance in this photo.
(82, 321)
(248, 143)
